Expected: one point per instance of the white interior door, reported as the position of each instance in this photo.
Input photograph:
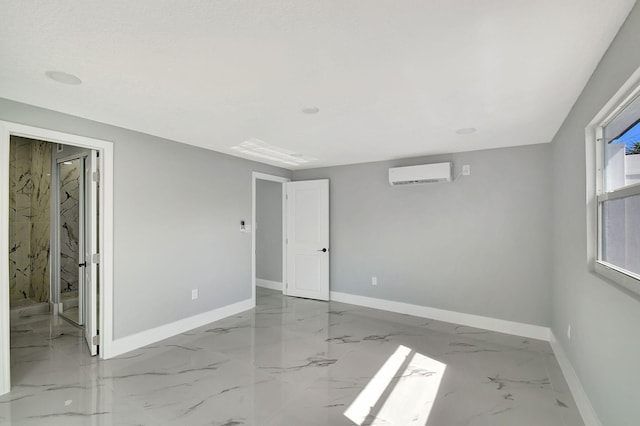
(91, 248)
(308, 239)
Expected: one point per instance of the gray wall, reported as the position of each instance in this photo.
(480, 245)
(176, 226)
(269, 230)
(605, 345)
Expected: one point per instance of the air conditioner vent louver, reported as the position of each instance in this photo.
(414, 182)
(426, 173)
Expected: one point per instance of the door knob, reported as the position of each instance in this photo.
(80, 265)
(324, 250)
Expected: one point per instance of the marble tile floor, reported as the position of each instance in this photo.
(27, 307)
(70, 305)
(290, 361)
(22, 303)
(73, 314)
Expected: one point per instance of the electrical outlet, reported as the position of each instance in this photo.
(194, 294)
(569, 332)
(466, 170)
(374, 280)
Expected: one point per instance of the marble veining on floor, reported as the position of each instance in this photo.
(290, 361)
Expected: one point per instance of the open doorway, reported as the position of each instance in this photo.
(55, 235)
(299, 241)
(52, 227)
(269, 222)
(73, 217)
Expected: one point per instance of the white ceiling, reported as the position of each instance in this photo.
(391, 78)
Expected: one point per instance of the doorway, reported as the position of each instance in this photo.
(300, 241)
(74, 234)
(67, 246)
(269, 221)
(51, 225)
(97, 248)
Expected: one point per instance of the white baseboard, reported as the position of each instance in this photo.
(273, 285)
(589, 415)
(487, 323)
(147, 337)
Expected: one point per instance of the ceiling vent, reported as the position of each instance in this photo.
(426, 173)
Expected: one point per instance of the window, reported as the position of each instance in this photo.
(618, 195)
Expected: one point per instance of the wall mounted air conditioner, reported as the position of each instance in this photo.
(426, 173)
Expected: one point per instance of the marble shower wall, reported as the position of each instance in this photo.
(69, 225)
(29, 218)
(19, 219)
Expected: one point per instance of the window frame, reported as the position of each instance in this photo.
(615, 106)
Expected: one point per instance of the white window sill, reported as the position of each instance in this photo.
(623, 279)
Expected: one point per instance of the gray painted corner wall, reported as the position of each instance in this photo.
(604, 348)
(268, 229)
(177, 211)
(479, 245)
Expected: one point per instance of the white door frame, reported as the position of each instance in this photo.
(105, 226)
(262, 176)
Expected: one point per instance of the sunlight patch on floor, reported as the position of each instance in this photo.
(401, 392)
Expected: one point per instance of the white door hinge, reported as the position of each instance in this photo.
(95, 340)
(96, 176)
(95, 258)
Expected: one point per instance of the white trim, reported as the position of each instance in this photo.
(477, 321)
(106, 238)
(262, 176)
(284, 237)
(623, 97)
(595, 190)
(623, 278)
(589, 416)
(5, 352)
(627, 191)
(147, 337)
(273, 285)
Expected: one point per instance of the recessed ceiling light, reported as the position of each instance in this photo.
(63, 77)
(466, 130)
(311, 110)
(68, 163)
